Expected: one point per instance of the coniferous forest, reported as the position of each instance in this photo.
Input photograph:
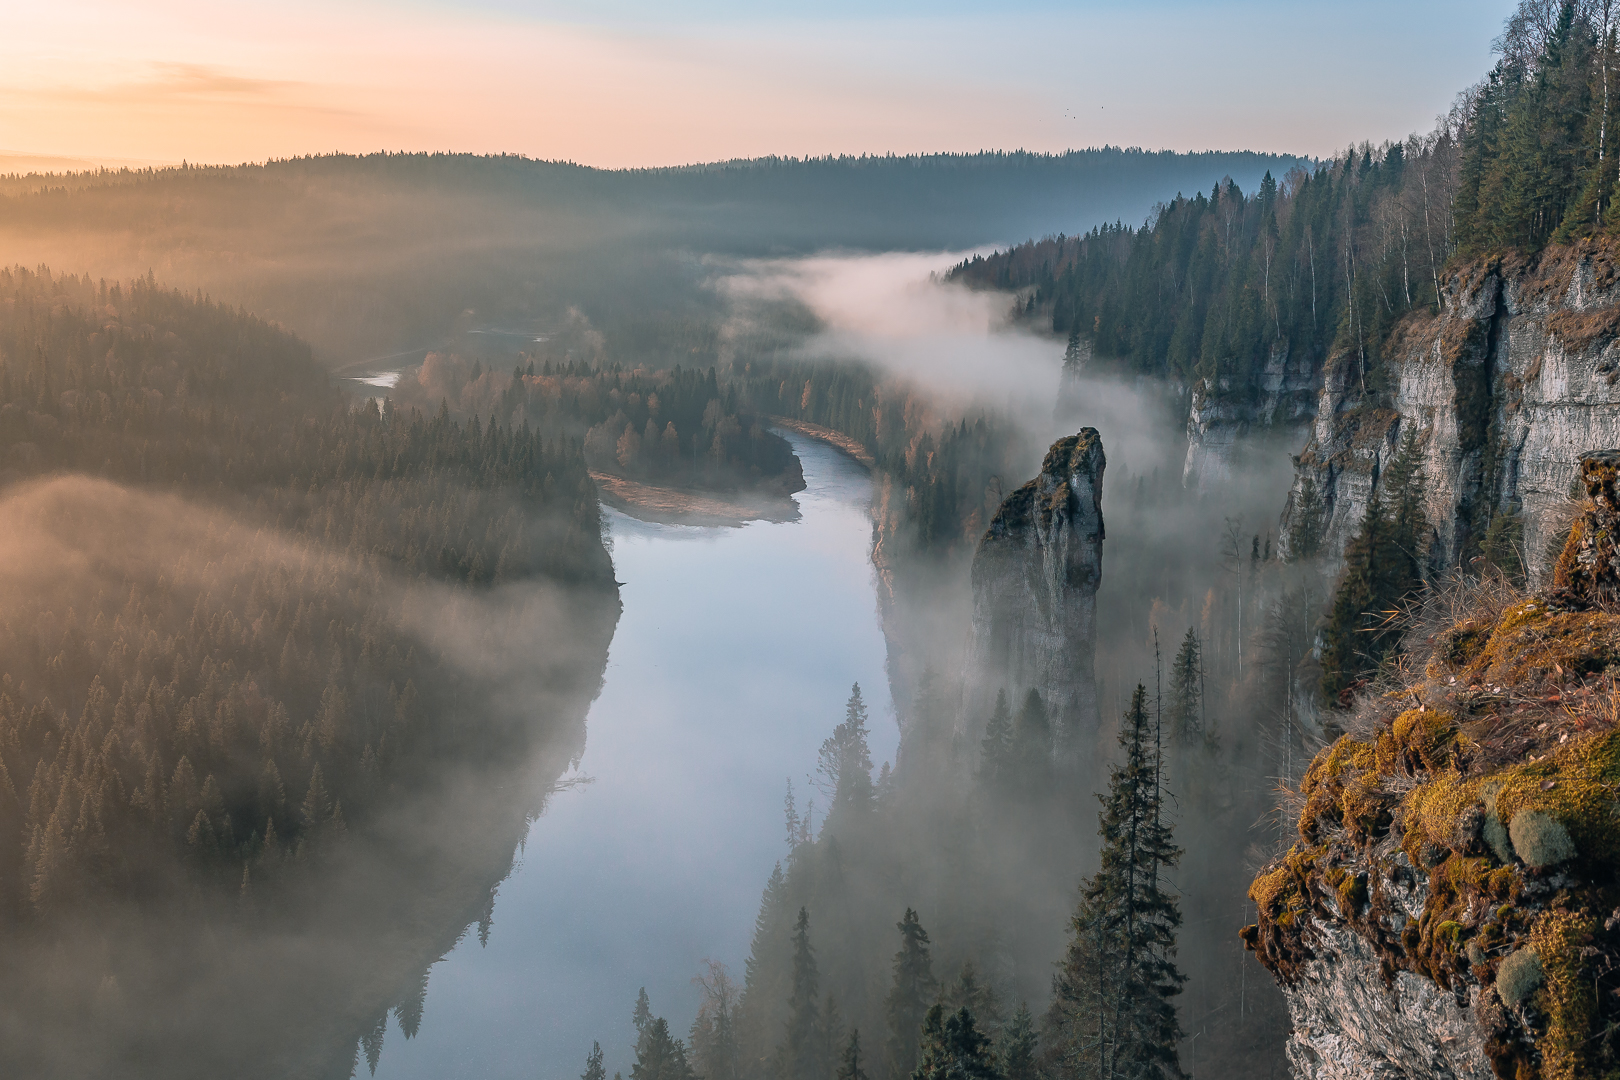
(306, 595)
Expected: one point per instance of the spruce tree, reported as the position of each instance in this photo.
(767, 983)
(849, 1062)
(996, 748)
(593, 1064)
(914, 988)
(953, 1048)
(1112, 1013)
(1016, 1049)
(1187, 691)
(642, 1018)
(978, 997)
(801, 1055)
(846, 764)
(660, 1056)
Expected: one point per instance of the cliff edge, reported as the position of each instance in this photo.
(1503, 391)
(1451, 907)
(1035, 577)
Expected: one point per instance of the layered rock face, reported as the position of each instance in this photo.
(1504, 392)
(1451, 908)
(1035, 577)
(1218, 421)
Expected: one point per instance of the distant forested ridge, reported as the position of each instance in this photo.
(370, 255)
(231, 600)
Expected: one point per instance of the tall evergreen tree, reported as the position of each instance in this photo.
(846, 764)
(1187, 691)
(1112, 1013)
(914, 988)
(969, 992)
(849, 1061)
(996, 748)
(953, 1048)
(762, 1008)
(1016, 1049)
(642, 1018)
(802, 1053)
(660, 1056)
(594, 1069)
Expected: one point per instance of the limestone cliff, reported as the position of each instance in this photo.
(1035, 577)
(1451, 908)
(1219, 419)
(1505, 390)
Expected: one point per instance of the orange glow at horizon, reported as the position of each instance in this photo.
(248, 81)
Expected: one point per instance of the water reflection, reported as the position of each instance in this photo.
(731, 663)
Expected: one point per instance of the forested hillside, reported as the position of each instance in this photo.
(1223, 287)
(675, 426)
(219, 681)
(367, 256)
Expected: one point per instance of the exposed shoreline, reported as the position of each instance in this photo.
(836, 439)
(672, 506)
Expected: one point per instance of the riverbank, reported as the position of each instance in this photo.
(836, 439)
(672, 506)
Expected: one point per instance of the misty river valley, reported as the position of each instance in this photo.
(730, 662)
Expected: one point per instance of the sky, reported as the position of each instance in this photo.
(618, 83)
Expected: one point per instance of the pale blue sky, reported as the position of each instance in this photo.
(634, 82)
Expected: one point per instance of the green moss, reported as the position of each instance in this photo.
(1540, 840)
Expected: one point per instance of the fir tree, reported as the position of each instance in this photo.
(953, 1048)
(914, 988)
(642, 1018)
(849, 1062)
(801, 1055)
(593, 1064)
(1016, 1049)
(979, 998)
(1111, 1011)
(996, 748)
(1187, 691)
(659, 1056)
(846, 764)
(761, 1010)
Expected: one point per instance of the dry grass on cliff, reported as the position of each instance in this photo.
(1521, 676)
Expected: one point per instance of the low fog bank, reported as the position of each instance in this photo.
(370, 256)
(1175, 560)
(126, 958)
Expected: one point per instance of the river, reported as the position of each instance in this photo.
(732, 661)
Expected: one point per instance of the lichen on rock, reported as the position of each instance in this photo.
(1466, 834)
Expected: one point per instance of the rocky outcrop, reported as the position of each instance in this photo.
(1503, 392)
(1451, 907)
(1035, 577)
(1352, 1024)
(1219, 421)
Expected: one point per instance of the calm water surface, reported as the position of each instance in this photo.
(731, 663)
